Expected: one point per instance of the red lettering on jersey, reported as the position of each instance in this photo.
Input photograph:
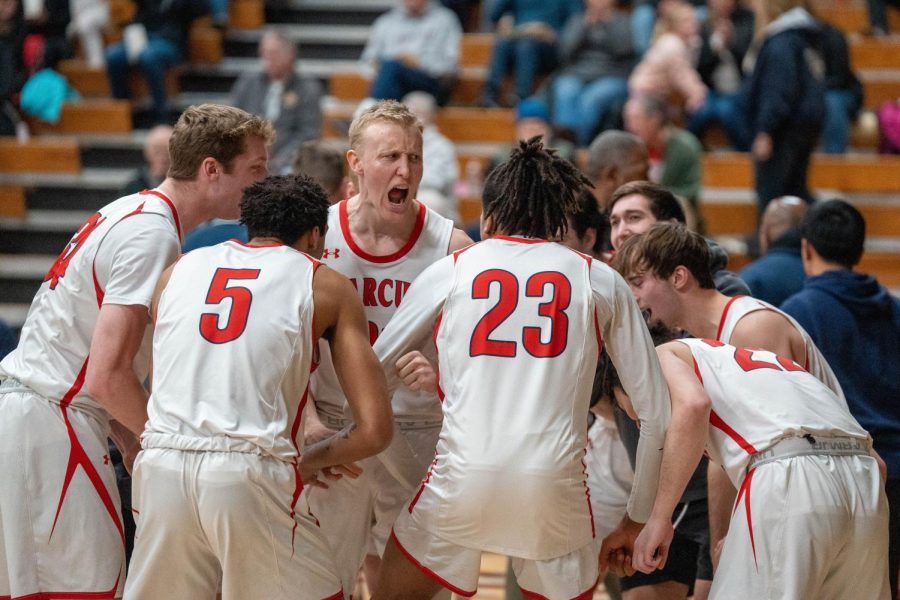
(353, 281)
(373, 333)
(382, 298)
(58, 270)
(744, 358)
(788, 364)
(369, 292)
(400, 291)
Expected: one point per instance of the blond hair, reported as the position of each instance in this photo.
(385, 111)
(212, 131)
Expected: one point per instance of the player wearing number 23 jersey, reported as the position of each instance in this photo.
(518, 323)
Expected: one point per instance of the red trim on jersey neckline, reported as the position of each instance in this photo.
(165, 199)
(248, 245)
(725, 314)
(520, 240)
(387, 258)
(716, 421)
(428, 572)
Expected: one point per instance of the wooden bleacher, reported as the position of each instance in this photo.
(39, 155)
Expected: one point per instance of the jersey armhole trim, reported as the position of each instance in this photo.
(725, 315)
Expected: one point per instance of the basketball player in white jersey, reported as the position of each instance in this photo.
(60, 530)
(218, 485)
(381, 239)
(666, 271)
(811, 515)
(518, 323)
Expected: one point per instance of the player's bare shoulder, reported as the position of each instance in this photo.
(459, 239)
(333, 294)
(768, 329)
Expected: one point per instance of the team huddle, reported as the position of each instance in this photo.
(361, 386)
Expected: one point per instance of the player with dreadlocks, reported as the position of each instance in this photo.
(518, 322)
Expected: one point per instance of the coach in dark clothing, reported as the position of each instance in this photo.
(784, 97)
(855, 322)
(276, 92)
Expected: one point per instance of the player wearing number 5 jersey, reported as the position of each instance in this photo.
(83, 358)
(219, 485)
(518, 322)
(811, 514)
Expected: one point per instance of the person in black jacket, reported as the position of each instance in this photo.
(12, 68)
(785, 98)
(166, 23)
(844, 95)
(726, 36)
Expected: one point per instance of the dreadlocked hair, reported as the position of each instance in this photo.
(533, 191)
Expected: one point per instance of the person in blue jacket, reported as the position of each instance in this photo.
(855, 322)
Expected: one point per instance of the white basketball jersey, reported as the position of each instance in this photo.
(52, 354)
(381, 282)
(233, 350)
(739, 306)
(518, 344)
(759, 398)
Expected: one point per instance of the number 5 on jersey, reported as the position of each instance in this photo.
(481, 343)
(241, 299)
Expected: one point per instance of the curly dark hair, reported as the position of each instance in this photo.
(284, 207)
(533, 191)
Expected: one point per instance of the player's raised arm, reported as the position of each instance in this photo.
(631, 350)
(339, 318)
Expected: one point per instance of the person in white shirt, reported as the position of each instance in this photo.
(518, 322)
(77, 374)
(219, 484)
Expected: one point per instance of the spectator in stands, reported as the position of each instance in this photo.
(89, 19)
(414, 47)
(166, 24)
(596, 54)
(533, 119)
(276, 92)
(46, 39)
(844, 92)
(614, 158)
(785, 98)
(726, 36)
(440, 169)
(878, 18)
(324, 161)
(778, 273)
(668, 67)
(675, 154)
(855, 322)
(525, 44)
(156, 157)
(12, 66)
(638, 205)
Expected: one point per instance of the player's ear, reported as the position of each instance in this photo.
(487, 226)
(355, 162)
(679, 277)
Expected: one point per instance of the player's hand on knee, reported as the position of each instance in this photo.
(651, 548)
(417, 372)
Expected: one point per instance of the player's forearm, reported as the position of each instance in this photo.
(351, 444)
(685, 440)
(122, 395)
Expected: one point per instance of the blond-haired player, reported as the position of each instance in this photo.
(83, 357)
